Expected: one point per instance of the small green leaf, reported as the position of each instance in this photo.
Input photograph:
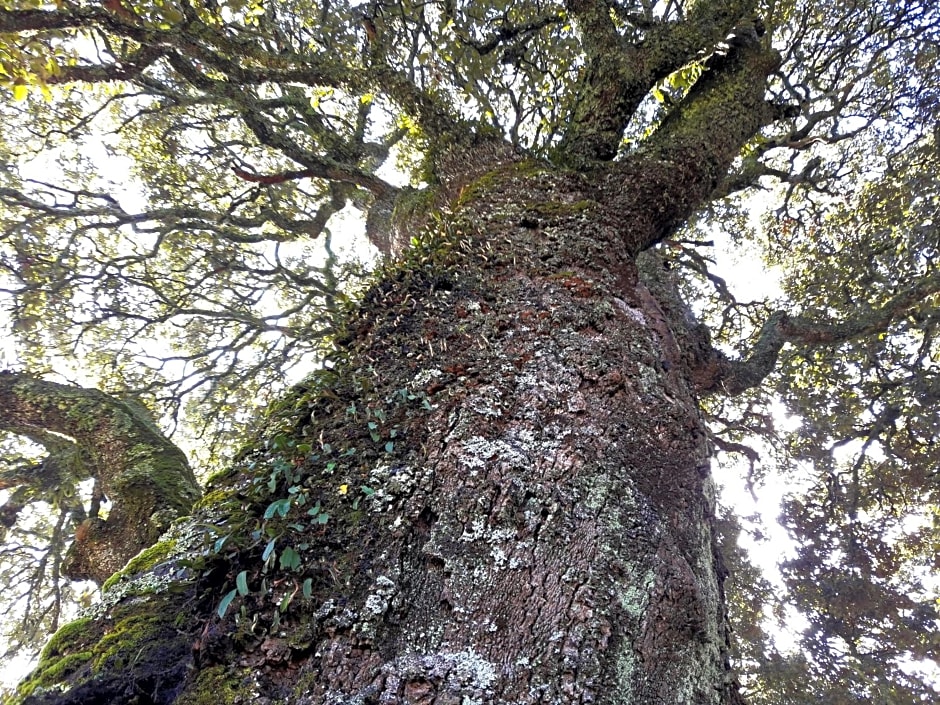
(367, 491)
(308, 588)
(280, 442)
(268, 550)
(323, 518)
(278, 506)
(290, 559)
(20, 91)
(390, 447)
(241, 583)
(226, 601)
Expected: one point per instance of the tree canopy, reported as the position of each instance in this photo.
(180, 181)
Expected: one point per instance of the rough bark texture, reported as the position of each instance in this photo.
(537, 523)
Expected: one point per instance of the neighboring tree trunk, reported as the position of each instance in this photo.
(499, 494)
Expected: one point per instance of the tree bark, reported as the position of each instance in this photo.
(541, 534)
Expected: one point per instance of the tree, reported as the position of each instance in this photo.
(497, 486)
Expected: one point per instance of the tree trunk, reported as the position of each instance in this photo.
(500, 493)
(541, 524)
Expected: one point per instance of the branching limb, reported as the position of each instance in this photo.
(732, 377)
(147, 478)
(512, 33)
(683, 162)
(619, 75)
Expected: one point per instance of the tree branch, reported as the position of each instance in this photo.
(619, 75)
(689, 155)
(147, 478)
(719, 374)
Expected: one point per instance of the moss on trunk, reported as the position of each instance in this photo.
(146, 477)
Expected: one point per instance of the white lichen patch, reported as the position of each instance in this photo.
(475, 531)
(577, 403)
(378, 600)
(478, 451)
(487, 402)
(499, 556)
(634, 596)
(390, 481)
(376, 604)
(464, 674)
(471, 668)
(425, 376)
(632, 313)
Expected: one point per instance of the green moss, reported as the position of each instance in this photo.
(125, 640)
(135, 637)
(558, 208)
(65, 637)
(528, 168)
(213, 686)
(143, 561)
(214, 499)
(411, 203)
(61, 668)
(68, 650)
(156, 473)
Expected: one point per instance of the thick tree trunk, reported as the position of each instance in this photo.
(541, 524)
(547, 534)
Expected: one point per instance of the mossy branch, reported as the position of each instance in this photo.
(146, 477)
